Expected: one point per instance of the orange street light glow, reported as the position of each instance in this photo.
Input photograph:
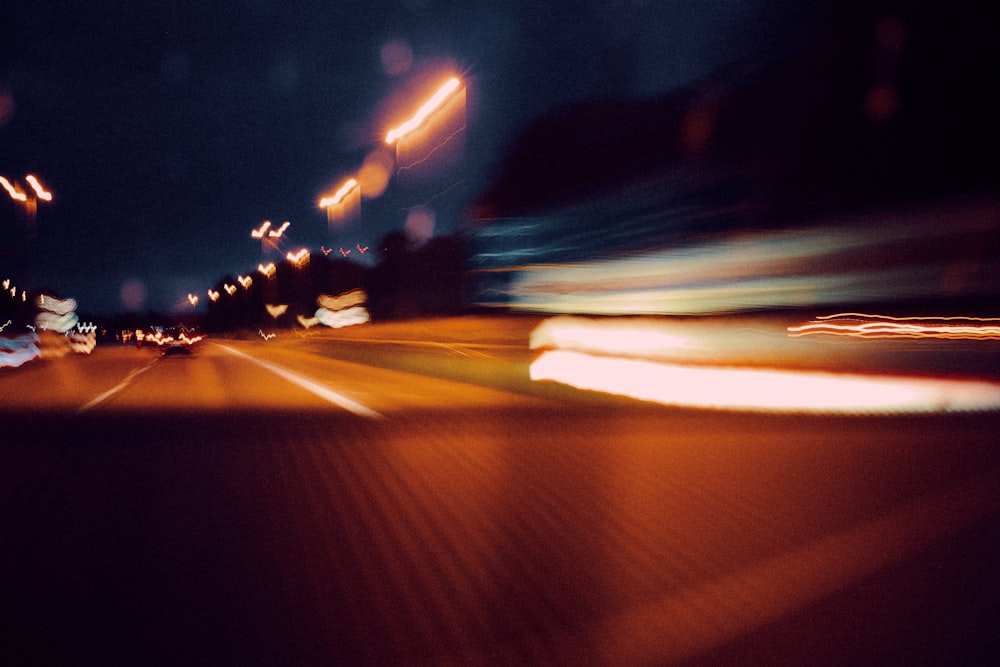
(192, 299)
(276, 233)
(230, 289)
(260, 231)
(267, 270)
(246, 281)
(861, 325)
(299, 257)
(213, 295)
(436, 100)
(339, 195)
(14, 193)
(40, 192)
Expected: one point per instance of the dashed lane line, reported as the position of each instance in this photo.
(309, 385)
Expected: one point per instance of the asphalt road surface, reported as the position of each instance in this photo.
(310, 501)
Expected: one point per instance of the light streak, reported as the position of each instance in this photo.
(260, 231)
(230, 289)
(57, 306)
(862, 325)
(213, 295)
(276, 311)
(14, 193)
(81, 343)
(15, 352)
(307, 322)
(266, 336)
(192, 299)
(360, 249)
(40, 192)
(266, 270)
(436, 100)
(298, 258)
(326, 251)
(343, 252)
(6, 283)
(354, 297)
(343, 318)
(755, 389)
(643, 359)
(276, 233)
(245, 281)
(339, 195)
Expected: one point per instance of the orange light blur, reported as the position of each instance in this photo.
(260, 231)
(40, 192)
(339, 195)
(761, 389)
(355, 297)
(436, 100)
(245, 281)
(276, 311)
(641, 359)
(213, 295)
(192, 299)
(276, 233)
(230, 289)
(298, 258)
(861, 325)
(14, 193)
(267, 270)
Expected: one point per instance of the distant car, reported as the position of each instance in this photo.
(173, 340)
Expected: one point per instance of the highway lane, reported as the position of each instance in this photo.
(212, 510)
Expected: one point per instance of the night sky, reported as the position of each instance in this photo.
(168, 131)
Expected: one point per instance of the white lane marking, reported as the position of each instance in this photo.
(307, 384)
(117, 388)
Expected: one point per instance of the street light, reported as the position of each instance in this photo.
(346, 199)
(29, 199)
(40, 192)
(425, 110)
(12, 190)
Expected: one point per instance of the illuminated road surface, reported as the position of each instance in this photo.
(257, 504)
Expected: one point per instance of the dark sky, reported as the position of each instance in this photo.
(167, 131)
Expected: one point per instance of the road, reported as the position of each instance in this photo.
(343, 501)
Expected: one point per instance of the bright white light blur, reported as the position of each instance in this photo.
(276, 233)
(40, 192)
(339, 195)
(436, 100)
(14, 193)
(342, 318)
(260, 231)
(631, 337)
(759, 389)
